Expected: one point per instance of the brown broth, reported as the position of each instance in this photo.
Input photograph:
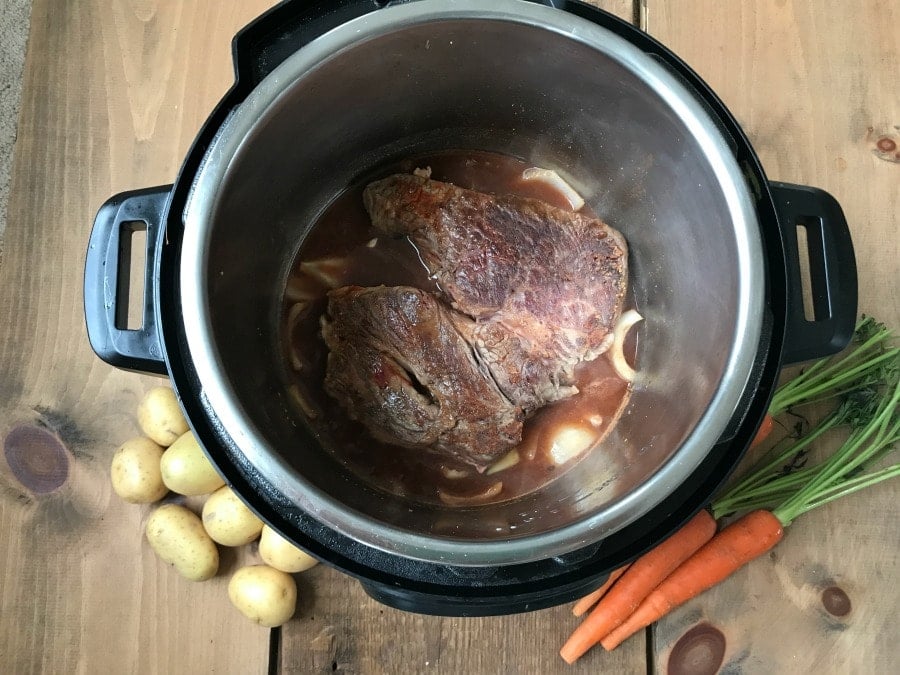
(361, 256)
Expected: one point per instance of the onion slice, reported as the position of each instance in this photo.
(327, 271)
(302, 402)
(511, 458)
(301, 288)
(554, 180)
(616, 353)
(453, 474)
(297, 310)
(451, 499)
(569, 442)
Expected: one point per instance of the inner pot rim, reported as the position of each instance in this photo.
(201, 206)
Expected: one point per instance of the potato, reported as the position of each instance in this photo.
(186, 469)
(159, 416)
(228, 521)
(178, 537)
(135, 473)
(281, 554)
(263, 594)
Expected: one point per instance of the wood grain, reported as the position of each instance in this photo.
(114, 92)
(340, 629)
(814, 86)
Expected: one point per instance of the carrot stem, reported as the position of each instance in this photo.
(853, 485)
(845, 372)
(762, 474)
(780, 405)
(591, 599)
(637, 582)
(848, 457)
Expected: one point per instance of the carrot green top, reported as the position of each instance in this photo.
(866, 379)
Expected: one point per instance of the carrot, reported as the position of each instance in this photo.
(764, 430)
(637, 582)
(591, 599)
(739, 543)
(875, 433)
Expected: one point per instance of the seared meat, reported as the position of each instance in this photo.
(400, 366)
(543, 285)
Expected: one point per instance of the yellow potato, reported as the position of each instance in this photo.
(228, 521)
(178, 537)
(281, 554)
(135, 473)
(159, 416)
(263, 594)
(186, 469)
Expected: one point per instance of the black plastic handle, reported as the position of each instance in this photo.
(106, 278)
(832, 270)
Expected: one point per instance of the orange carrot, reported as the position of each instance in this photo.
(736, 545)
(764, 430)
(591, 599)
(645, 574)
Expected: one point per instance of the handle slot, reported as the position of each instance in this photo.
(130, 290)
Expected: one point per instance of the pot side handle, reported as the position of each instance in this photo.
(107, 273)
(832, 272)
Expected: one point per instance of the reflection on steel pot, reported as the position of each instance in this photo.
(328, 92)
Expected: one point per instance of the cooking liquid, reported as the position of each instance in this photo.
(342, 249)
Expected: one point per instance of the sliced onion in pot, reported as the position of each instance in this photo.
(301, 288)
(297, 310)
(327, 271)
(451, 499)
(555, 180)
(453, 474)
(616, 353)
(511, 458)
(303, 403)
(569, 441)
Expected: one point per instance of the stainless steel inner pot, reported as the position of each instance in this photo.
(511, 77)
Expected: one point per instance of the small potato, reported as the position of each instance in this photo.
(178, 537)
(159, 416)
(281, 554)
(135, 473)
(186, 469)
(263, 594)
(228, 521)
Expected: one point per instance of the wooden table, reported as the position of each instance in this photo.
(114, 92)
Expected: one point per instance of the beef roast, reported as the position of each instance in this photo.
(543, 285)
(399, 364)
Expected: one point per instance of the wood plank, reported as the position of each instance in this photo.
(114, 92)
(340, 629)
(814, 84)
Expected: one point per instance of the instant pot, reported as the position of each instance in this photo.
(328, 91)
